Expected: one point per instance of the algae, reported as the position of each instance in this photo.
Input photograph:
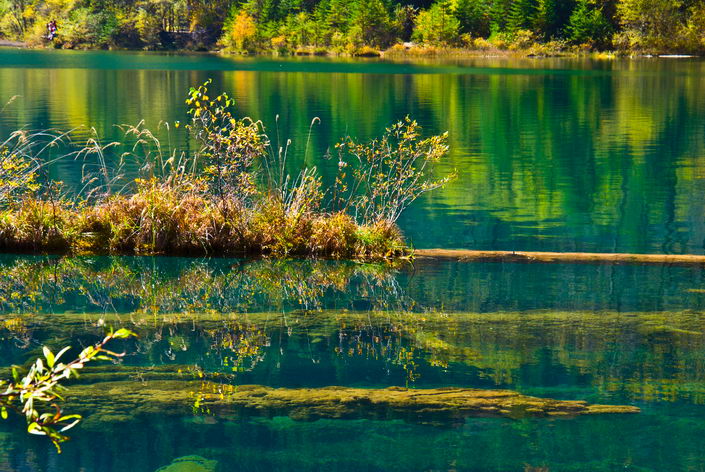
(124, 400)
(190, 464)
(642, 355)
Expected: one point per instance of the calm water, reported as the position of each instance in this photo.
(551, 154)
(624, 335)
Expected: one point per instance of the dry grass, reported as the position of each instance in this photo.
(159, 219)
(231, 197)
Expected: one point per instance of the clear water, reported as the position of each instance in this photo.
(606, 334)
(552, 154)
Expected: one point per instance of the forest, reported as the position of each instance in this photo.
(361, 27)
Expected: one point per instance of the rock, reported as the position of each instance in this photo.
(190, 464)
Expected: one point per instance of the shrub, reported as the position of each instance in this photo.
(18, 172)
(521, 40)
(230, 147)
(232, 195)
(35, 394)
(378, 180)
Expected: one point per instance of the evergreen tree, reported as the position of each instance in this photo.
(371, 21)
(338, 15)
(588, 24)
(473, 17)
(521, 15)
(499, 12)
(404, 19)
(546, 22)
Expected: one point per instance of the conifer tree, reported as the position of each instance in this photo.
(473, 17)
(588, 25)
(521, 15)
(499, 12)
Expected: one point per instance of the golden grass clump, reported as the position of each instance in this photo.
(334, 235)
(38, 226)
(231, 197)
(382, 239)
(279, 232)
(158, 218)
(162, 220)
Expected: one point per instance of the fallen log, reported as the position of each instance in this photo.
(122, 401)
(466, 255)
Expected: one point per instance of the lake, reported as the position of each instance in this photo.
(551, 154)
(607, 334)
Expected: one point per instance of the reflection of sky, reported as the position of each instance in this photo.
(595, 156)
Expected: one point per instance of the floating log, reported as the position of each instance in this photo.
(124, 400)
(466, 255)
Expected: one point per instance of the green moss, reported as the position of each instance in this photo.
(117, 400)
(190, 464)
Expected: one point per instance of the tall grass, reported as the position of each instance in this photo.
(232, 195)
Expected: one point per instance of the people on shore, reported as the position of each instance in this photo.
(51, 30)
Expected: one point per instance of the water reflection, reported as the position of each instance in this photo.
(552, 155)
(304, 323)
(47, 284)
(540, 330)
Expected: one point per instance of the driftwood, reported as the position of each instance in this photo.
(464, 255)
(152, 393)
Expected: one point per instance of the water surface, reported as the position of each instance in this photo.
(552, 154)
(603, 337)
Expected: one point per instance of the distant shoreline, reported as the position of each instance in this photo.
(394, 52)
(12, 44)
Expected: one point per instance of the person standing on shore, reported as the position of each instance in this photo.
(51, 30)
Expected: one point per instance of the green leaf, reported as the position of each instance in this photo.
(49, 357)
(123, 333)
(61, 352)
(35, 428)
(3, 413)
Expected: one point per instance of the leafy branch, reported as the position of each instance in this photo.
(34, 394)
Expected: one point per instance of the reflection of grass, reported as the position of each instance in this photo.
(139, 285)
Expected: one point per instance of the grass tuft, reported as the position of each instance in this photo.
(231, 197)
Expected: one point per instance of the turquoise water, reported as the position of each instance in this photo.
(607, 334)
(551, 154)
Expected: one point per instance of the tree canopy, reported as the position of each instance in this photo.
(348, 25)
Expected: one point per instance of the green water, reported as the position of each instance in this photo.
(551, 154)
(607, 334)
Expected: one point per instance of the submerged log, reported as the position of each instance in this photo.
(118, 401)
(464, 255)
